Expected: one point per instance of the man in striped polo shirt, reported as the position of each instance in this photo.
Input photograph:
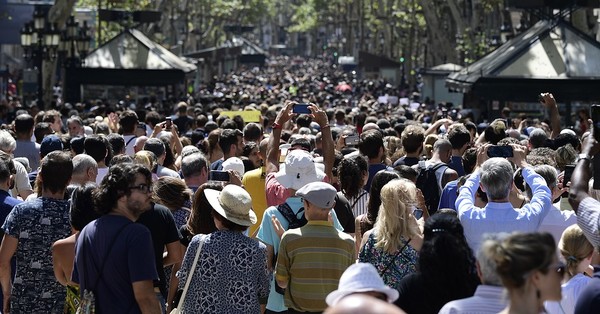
(312, 258)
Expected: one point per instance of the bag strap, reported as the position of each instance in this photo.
(112, 242)
(289, 215)
(191, 273)
(395, 256)
(131, 139)
(358, 198)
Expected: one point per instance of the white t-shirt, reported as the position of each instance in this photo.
(102, 172)
(21, 180)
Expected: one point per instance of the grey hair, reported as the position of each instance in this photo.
(537, 138)
(548, 173)
(193, 164)
(486, 262)
(497, 178)
(7, 141)
(82, 163)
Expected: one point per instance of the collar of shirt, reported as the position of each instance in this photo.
(320, 223)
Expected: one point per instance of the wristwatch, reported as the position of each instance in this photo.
(585, 156)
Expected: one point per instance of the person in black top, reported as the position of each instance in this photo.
(159, 220)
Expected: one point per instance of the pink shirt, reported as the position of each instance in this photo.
(277, 193)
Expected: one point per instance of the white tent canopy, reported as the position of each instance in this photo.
(133, 50)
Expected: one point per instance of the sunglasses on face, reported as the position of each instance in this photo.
(143, 188)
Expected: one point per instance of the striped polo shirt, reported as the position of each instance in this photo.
(312, 259)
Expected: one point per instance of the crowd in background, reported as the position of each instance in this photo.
(275, 190)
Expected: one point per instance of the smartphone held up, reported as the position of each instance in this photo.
(301, 108)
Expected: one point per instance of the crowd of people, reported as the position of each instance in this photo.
(331, 200)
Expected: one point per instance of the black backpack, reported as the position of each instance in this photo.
(291, 217)
(428, 184)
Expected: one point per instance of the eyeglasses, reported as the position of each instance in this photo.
(143, 188)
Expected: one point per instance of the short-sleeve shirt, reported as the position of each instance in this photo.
(254, 182)
(130, 259)
(312, 259)
(37, 225)
(267, 235)
(230, 276)
(163, 229)
(21, 180)
(29, 150)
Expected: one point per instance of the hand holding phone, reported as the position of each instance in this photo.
(168, 123)
(568, 174)
(216, 175)
(500, 151)
(301, 108)
(352, 140)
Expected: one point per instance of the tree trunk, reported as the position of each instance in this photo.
(441, 45)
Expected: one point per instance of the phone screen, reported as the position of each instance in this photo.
(568, 173)
(500, 151)
(352, 140)
(301, 108)
(216, 175)
(168, 124)
(596, 120)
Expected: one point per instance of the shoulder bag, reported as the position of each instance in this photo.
(179, 308)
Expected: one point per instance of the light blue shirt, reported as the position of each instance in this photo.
(502, 217)
(486, 300)
(267, 235)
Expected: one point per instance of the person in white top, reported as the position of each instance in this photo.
(489, 296)
(556, 221)
(577, 252)
(158, 148)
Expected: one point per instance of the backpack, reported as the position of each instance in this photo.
(292, 218)
(428, 184)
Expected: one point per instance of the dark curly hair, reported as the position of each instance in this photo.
(350, 173)
(116, 184)
(446, 261)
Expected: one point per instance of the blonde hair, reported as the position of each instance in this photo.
(429, 141)
(392, 224)
(145, 158)
(574, 247)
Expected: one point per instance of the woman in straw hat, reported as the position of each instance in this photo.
(231, 273)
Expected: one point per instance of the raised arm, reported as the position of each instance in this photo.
(580, 179)
(550, 103)
(320, 117)
(272, 162)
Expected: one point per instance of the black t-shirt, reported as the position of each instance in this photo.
(344, 213)
(163, 229)
(406, 161)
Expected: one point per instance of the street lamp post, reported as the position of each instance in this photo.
(40, 41)
(74, 43)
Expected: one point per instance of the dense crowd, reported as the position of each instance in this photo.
(276, 191)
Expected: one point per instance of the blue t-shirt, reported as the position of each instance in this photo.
(449, 195)
(267, 235)
(217, 165)
(373, 169)
(457, 165)
(7, 203)
(130, 259)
